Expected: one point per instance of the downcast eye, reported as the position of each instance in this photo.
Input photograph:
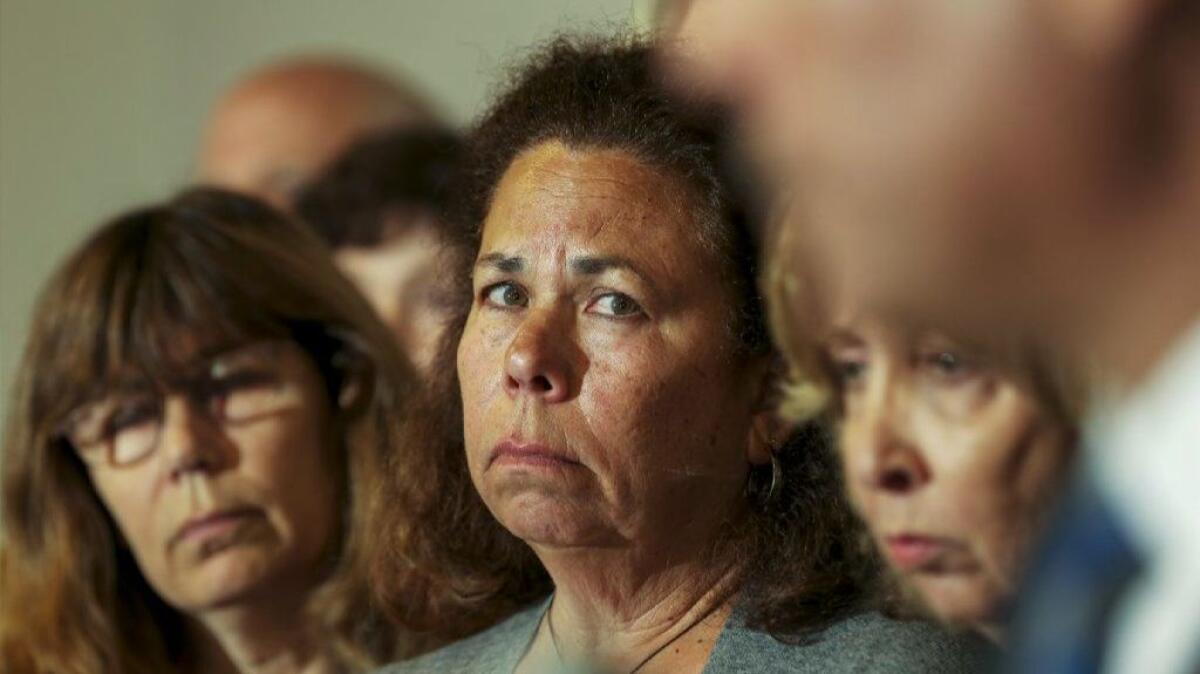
(949, 366)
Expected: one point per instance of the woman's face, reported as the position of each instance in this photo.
(603, 399)
(399, 278)
(950, 463)
(226, 492)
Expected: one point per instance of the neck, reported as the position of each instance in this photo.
(273, 639)
(615, 608)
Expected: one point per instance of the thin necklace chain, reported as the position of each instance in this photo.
(558, 654)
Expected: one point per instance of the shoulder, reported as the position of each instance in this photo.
(867, 642)
(496, 649)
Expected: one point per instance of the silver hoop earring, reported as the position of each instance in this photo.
(763, 490)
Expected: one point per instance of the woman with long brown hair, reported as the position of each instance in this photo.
(200, 413)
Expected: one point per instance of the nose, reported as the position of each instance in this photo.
(898, 469)
(889, 459)
(187, 440)
(541, 359)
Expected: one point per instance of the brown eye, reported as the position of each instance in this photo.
(617, 305)
(505, 295)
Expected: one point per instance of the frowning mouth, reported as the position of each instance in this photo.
(910, 552)
(214, 524)
(531, 455)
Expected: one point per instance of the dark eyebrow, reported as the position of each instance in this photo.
(592, 265)
(586, 265)
(508, 264)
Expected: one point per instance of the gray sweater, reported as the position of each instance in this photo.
(867, 642)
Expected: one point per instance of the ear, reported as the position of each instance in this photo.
(1104, 29)
(768, 431)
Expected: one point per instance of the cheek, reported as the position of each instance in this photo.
(480, 364)
(994, 473)
(621, 409)
(676, 410)
(481, 353)
(854, 449)
(851, 464)
(294, 473)
(966, 479)
(1032, 477)
(131, 500)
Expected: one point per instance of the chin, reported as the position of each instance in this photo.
(959, 601)
(230, 578)
(540, 518)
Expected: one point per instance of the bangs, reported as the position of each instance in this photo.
(139, 303)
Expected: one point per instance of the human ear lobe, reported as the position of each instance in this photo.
(767, 434)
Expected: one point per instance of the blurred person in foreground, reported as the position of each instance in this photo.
(280, 125)
(381, 207)
(953, 452)
(1027, 166)
(619, 496)
(201, 414)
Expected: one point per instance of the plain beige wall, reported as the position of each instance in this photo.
(101, 102)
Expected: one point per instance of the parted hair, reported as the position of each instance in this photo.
(208, 266)
(445, 565)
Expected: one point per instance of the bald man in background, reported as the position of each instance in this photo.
(276, 128)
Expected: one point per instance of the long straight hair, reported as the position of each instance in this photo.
(208, 266)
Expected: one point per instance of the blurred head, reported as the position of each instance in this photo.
(951, 461)
(200, 388)
(977, 161)
(614, 370)
(271, 133)
(952, 452)
(381, 207)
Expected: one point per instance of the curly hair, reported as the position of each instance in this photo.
(210, 266)
(445, 565)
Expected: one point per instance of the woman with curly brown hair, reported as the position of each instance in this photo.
(619, 481)
(200, 413)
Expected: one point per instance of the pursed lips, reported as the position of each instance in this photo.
(212, 519)
(530, 453)
(912, 552)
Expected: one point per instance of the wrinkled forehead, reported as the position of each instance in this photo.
(554, 199)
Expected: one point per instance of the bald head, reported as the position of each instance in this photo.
(280, 125)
